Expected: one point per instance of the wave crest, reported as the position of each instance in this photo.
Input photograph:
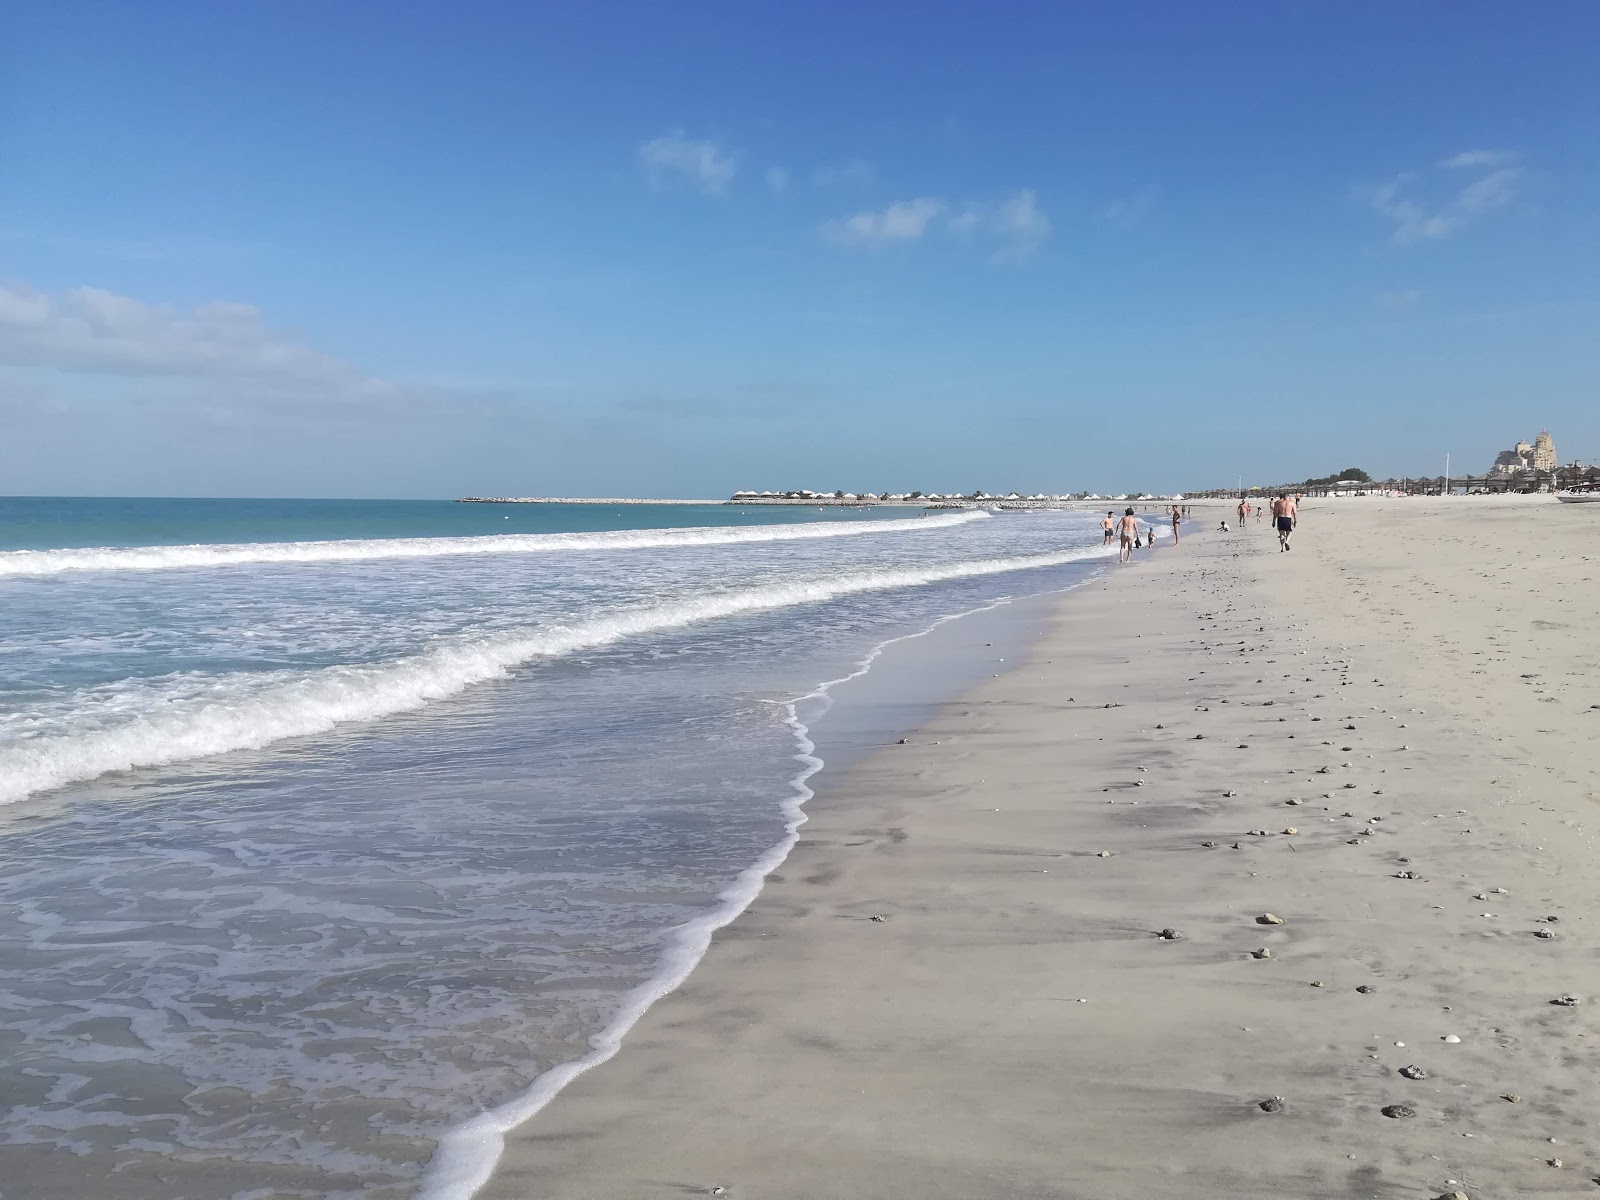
(238, 715)
(19, 563)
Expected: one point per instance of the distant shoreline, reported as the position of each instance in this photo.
(573, 500)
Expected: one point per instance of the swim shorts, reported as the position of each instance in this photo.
(1285, 524)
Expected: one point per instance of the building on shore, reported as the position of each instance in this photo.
(1544, 452)
(1540, 455)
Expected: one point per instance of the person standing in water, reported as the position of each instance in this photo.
(1109, 528)
(1284, 512)
(1128, 529)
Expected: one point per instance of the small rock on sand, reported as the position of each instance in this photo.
(1268, 919)
(1261, 953)
(1273, 1105)
(1413, 1072)
(1169, 935)
(1399, 1110)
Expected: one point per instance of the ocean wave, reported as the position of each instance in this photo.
(16, 563)
(243, 711)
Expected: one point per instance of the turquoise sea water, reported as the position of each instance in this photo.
(43, 522)
(327, 827)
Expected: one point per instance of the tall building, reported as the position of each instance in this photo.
(1544, 452)
(1540, 456)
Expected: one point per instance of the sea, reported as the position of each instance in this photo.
(335, 836)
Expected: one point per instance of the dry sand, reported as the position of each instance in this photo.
(1420, 675)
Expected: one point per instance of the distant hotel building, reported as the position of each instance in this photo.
(1541, 456)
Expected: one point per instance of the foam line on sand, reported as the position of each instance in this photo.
(1399, 692)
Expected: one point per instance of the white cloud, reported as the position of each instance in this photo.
(777, 179)
(1440, 215)
(1130, 211)
(903, 221)
(1480, 158)
(1021, 225)
(857, 173)
(1016, 224)
(217, 358)
(1493, 191)
(967, 220)
(92, 330)
(674, 160)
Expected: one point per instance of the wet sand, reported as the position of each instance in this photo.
(957, 984)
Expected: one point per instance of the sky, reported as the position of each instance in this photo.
(427, 250)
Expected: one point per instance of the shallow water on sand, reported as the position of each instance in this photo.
(305, 859)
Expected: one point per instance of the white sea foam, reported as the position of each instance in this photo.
(467, 1154)
(15, 563)
(238, 714)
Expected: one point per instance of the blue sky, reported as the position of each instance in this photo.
(633, 249)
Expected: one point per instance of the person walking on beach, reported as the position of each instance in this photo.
(1108, 527)
(1128, 528)
(1284, 511)
(1244, 511)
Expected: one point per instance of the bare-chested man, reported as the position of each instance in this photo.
(1128, 529)
(1109, 528)
(1177, 516)
(1284, 512)
(1244, 511)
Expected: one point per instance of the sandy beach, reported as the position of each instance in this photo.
(1354, 782)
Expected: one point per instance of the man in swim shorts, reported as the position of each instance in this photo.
(1177, 515)
(1128, 528)
(1284, 511)
(1109, 528)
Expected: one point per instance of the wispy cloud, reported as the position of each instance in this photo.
(777, 179)
(223, 349)
(94, 330)
(674, 160)
(903, 221)
(1017, 226)
(1480, 158)
(1419, 210)
(1129, 212)
(1491, 192)
(857, 173)
(1021, 225)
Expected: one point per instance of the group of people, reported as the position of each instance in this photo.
(1285, 516)
(1133, 534)
(1127, 529)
